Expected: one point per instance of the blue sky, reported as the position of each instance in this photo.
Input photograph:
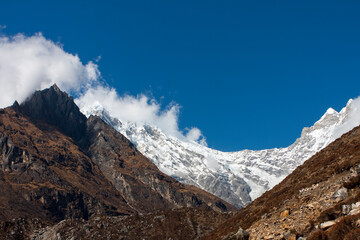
(249, 74)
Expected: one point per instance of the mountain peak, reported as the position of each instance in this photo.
(331, 111)
(16, 105)
(55, 88)
(56, 108)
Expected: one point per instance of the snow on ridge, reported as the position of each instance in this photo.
(237, 177)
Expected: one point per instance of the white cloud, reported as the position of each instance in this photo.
(33, 63)
(139, 109)
(194, 134)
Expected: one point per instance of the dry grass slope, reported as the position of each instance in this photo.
(333, 162)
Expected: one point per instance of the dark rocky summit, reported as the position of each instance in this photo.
(55, 164)
(55, 108)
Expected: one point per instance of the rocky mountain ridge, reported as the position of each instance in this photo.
(56, 164)
(237, 177)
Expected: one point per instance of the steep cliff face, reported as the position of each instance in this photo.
(137, 178)
(49, 177)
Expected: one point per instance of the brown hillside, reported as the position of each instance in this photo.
(176, 224)
(299, 203)
(44, 174)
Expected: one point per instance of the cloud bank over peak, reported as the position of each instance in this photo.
(33, 63)
(138, 109)
(29, 63)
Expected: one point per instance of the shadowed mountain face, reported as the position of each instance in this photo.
(45, 175)
(56, 164)
(137, 178)
(56, 108)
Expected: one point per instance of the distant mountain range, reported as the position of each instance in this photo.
(237, 177)
(67, 176)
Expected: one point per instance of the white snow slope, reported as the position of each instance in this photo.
(237, 177)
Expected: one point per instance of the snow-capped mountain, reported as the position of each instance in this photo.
(237, 177)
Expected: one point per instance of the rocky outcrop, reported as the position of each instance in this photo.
(176, 224)
(19, 228)
(241, 234)
(340, 194)
(12, 157)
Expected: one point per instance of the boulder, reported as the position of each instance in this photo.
(241, 234)
(326, 225)
(340, 194)
(355, 205)
(354, 211)
(269, 237)
(355, 208)
(285, 213)
(291, 237)
(345, 209)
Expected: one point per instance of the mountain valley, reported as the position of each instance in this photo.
(67, 176)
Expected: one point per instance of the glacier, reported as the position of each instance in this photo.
(237, 177)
